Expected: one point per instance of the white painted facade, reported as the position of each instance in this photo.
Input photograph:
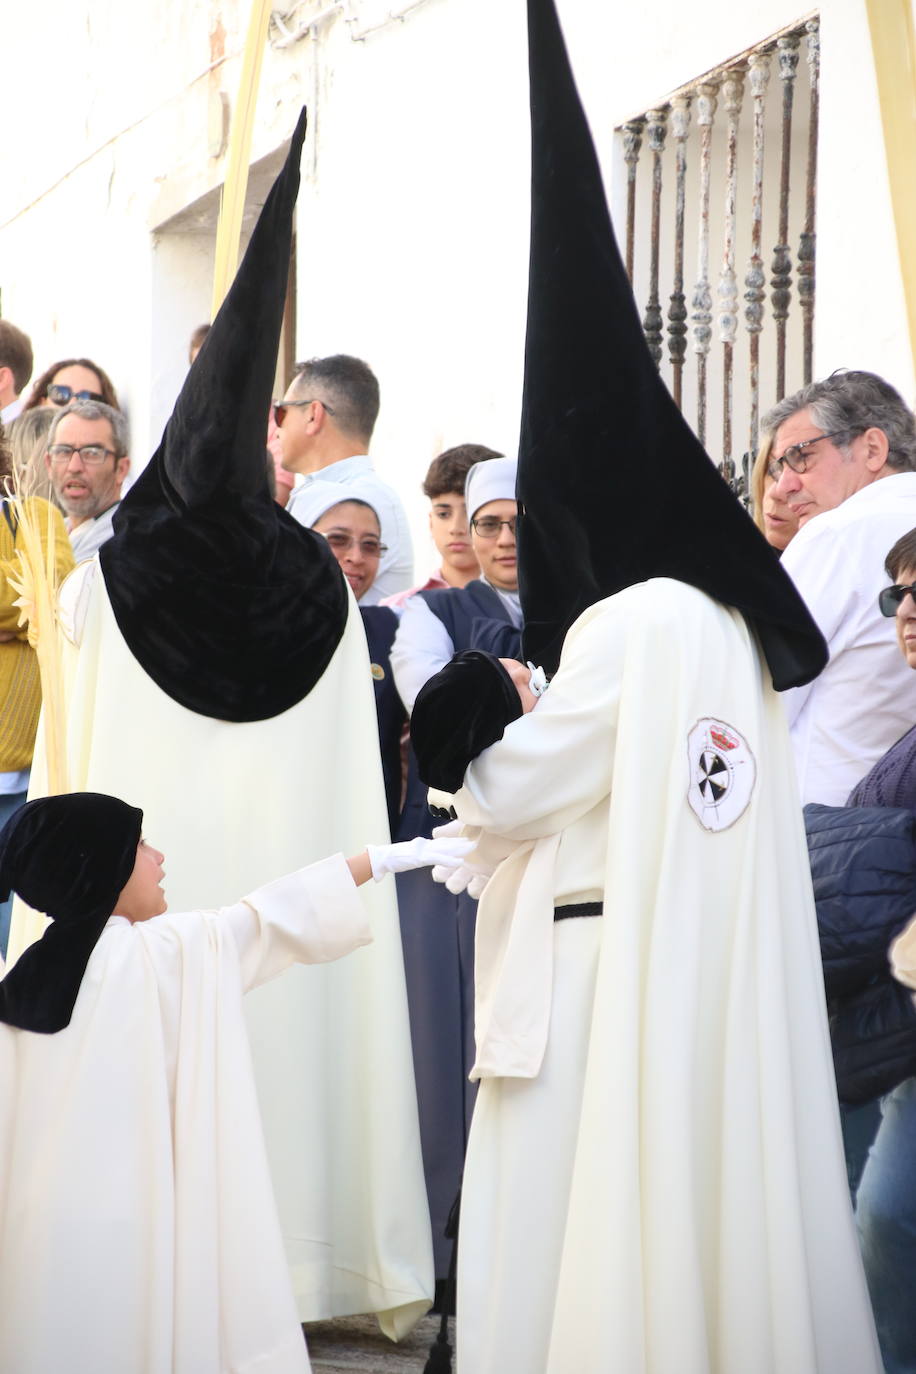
(413, 216)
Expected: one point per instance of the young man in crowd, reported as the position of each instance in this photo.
(443, 485)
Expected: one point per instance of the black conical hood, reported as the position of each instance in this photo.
(614, 485)
(231, 606)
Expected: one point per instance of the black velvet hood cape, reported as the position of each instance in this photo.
(227, 603)
(477, 698)
(69, 857)
(613, 486)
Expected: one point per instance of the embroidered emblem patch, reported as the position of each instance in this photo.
(722, 773)
(377, 671)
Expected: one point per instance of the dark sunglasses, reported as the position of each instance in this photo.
(281, 407)
(63, 395)
(891, 597)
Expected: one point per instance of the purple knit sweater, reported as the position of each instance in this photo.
(892, 780)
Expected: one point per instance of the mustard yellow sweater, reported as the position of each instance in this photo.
(20, 686)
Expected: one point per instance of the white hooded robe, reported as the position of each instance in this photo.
(230, 805)
(655, 1180)
(138, 1229)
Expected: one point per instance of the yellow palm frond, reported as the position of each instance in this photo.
(891, 24)
(232, 201)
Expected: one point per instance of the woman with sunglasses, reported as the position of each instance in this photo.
(864, 872)
(72, 379)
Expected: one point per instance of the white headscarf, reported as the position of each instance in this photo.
(492, 480)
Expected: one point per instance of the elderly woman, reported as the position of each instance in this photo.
(886, 1199)
(353, 531)
(20, 686)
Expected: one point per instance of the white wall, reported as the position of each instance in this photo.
(413, 218)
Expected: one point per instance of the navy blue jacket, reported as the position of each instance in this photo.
(863, 867)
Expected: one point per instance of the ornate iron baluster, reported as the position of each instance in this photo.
(781, 280)
(755, 281)
(632, 144)
(732, 94)
(806, 245)
(677, 308)
(705, 95)
(656, 129)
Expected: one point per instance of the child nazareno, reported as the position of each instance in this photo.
(138, 1230)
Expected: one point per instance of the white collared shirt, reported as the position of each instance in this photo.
(395, 572)
(88, 536)
(865, 699)
(423, 645)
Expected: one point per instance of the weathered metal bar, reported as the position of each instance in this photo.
(677, 308)
(632, 144)
(781, 280)
(656, 129)
(755, 279)
(732, 95)
(705, 98)
(807, 244)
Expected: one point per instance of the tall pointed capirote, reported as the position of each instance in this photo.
(231, 606)
(614, 485)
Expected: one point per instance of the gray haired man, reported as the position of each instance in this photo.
(843, 455)
(87, 460)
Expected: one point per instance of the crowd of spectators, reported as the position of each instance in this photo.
(833, 492)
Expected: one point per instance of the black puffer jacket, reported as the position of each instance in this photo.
(863, 867)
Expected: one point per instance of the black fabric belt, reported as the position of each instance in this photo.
(562, 913)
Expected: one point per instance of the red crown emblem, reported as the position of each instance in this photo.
(723, 740)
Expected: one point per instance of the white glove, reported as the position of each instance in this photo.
(446, 854)
(464, 878)
(471, 878)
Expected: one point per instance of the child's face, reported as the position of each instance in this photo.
(142, 896)
(448, 524)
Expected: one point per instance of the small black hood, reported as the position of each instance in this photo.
(614, 486)
(232, 607)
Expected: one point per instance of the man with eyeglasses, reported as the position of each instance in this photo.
(87, 461)
(843, 459)
(325, 423)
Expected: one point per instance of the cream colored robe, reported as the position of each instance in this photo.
(655, 1180)
(138, 1230)
(231, 805)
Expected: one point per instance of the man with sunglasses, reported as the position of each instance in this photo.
(325, 423)
(843, 458)
(87, 461)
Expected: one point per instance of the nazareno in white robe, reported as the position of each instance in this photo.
(138, 1229)
(655, 1180)
(230, 805)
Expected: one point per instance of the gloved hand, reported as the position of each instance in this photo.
(463, 877)
(445, 853)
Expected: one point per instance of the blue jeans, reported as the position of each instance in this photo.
(886, 1218)
(9, 802)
